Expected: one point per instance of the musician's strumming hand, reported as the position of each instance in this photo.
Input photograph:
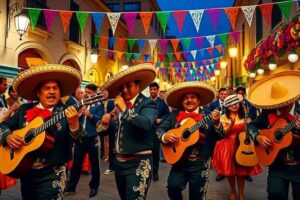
(119, 101)
(106, 119)
(215, 115)
(169, 137)
(72, 118)
(264, 141)
(14, 141)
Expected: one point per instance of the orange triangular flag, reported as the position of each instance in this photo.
(174, 43)
(209, 50)
(104, 42)
(219, 48)
(146, 20)
(65, 17)
(232, 15)
(177, 55)
(121, 42)
(119, 54)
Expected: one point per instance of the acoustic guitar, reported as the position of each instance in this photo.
(281, 136)
(188, 135)
(16, 162)
(245, 154)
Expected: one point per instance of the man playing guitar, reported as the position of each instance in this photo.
(188, 97)
(280, 94)
(47, 84)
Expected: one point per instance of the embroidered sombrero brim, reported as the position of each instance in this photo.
(144, 73)
(262, 96)
(25, 84)
(174, 95)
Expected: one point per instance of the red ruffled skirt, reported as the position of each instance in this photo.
(6, 182)
(86, 166)
(224, 160)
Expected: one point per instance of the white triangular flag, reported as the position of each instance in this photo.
(152, 44)
(196, 16)
(211, 40)
(248, 12)
(113, 19)
(194, 54)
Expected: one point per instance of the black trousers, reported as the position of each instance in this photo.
(196, 173)
(90, 146)
(44, 184)
(111, 155)
(279, 179)
(155, 153)
(133, 177)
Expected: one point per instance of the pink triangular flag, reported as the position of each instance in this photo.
(214, 15)
(236, 36)
(163, 44)
(49, 18)
(130, 19)
(199, 41)
(179, 17)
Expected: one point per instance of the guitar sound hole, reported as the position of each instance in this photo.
(186, 134)
(247, 142)
(29, 137)
(278, 135)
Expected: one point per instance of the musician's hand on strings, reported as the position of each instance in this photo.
(158, 121)
(72, 118)
(171, 138)
(264, 141)
(87, 113)
(14, 141)
(106, 118)
(119, 101)
(215, 115)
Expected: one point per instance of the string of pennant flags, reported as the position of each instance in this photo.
(162, 16)
(185, 42)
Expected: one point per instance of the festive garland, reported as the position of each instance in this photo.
(284, 40)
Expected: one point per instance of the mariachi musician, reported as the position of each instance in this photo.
(188, 97)
(45, 84)
(280, 94)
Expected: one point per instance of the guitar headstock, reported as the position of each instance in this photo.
(99, 97)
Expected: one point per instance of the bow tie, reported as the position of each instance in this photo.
(183, 115)
(129, 104)
(37, 112)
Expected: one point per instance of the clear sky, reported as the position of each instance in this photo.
(206, 27)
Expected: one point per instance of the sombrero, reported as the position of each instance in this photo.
(173, 96)
(26, 82)
(145, 73)
(276, 91)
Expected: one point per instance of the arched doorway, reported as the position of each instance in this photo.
(28, 53)
(71, 63)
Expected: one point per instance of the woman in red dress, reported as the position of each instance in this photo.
(6, 182)
(224, 162)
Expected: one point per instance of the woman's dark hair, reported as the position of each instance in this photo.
(241, 112)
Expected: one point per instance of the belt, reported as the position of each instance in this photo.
(194, 157)
(294, 162)
(124, 158)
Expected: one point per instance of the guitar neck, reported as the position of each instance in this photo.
(56, 118)
(203, 121)
(289, 126)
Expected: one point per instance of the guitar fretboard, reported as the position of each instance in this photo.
(56, 118)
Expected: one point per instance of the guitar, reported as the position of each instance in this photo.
(245, 154)
(16, 162)
(188, 135)
(280, 137)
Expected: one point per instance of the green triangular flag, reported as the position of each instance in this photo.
(82, 17)
(131, 43)
(96, 40)
(166, 63)
(286, 9)
(163, 18)
(170, 56)
(128, 56)
(217, 60)
(187, 42)
(34, 16)
(223, 38)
